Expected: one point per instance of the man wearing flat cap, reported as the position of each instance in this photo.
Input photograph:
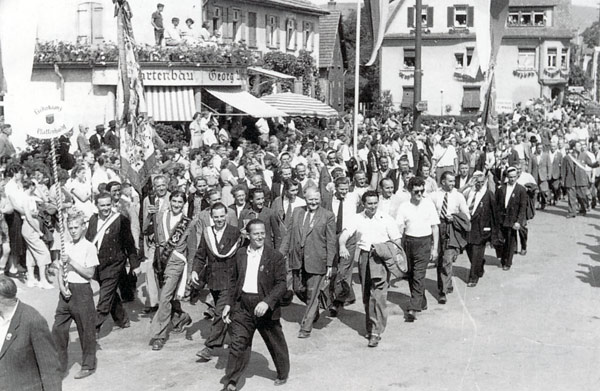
(97, 139)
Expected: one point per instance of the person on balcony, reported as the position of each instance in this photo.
(190, 35)
(173, 34)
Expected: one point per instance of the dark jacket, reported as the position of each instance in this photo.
(483, 220)
(216, 274)
(271, 282)
(117, 244)
(268, 216)
(516, 212)
(458, 231)
(96, 142)
(28, 359)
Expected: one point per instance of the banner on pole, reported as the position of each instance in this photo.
(49, 121)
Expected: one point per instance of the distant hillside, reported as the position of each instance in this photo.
(583, 17)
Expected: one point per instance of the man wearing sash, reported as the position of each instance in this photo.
(575, 179)
(110, 232)
(175, 239)
(218, 245)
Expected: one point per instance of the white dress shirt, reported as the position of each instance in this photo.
(417, 219)
(84, 253)
(456, 202)
(377, 229)
(475, 197)
(350, 204)
(218, 233)
(252, 264)
(5, 320)
(509, 191)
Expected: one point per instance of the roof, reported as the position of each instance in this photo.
(300, 5)
(271, 73)
(328, 33)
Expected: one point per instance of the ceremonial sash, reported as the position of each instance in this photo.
(577, 162)
(174, 238)
(100, 232)
(211, 242)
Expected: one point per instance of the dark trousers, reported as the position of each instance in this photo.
(127, 287)
(243, 325)
(446, 258)
(523, 235)
(80, 308)
(218, 328)
(476, 254)
(554, 185)
(418, 253)
(306, 287)
(109, 301)
(577, 199)
(509, 247)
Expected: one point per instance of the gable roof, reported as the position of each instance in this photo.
(329, 27)
(299, 5)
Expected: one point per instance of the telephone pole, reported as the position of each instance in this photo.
(418, 72)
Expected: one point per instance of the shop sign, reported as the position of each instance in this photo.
(175, 77)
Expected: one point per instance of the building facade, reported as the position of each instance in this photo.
(332, 60)
(533, 60)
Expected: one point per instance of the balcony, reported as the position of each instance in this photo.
(49, 53)
(552, 76)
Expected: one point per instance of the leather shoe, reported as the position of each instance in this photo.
(374, 341)
(472, 284)
(317, 316)
(230, 387)
(303, 334)
(84, 373)
(451, 289)
(523, 252)
(126, 325)
(411, 316)
(205, 354)
(505, 268)
(149, 310)
(442, 299)
(158, 344)
(333, 312)
(280, 382)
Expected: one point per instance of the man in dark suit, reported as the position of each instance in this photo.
(556, 158)
(218, 245)
(97, 139)
(511, 203)
(541, 170)
(258, 210)
(390, 173)
(483, 223)
(284, 173)
(256, 286)
(110, 232)
(110, 138)
(310, 245)
(284, 205)
(575, 178)
(28, 358)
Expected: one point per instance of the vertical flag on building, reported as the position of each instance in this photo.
(135, 131)
(378, 11)
(498, 15)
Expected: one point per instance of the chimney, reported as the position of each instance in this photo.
(331, 5)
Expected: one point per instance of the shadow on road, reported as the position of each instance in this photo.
(591, 274)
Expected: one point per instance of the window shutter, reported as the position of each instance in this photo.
(411, 17)
(225, 32)
(97, 36)
(267, 28)
(277, 34)
(243, 26)
(288, 34)
(301, 34)
(470, 15)
(450, 16)
(84, 23)
(295, 34)
(429, 16)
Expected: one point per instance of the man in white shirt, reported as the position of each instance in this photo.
(373, 227)
(80, 261)
(418, 220)
(388, 202)
(173, 34)
(450, 204)
(444, 157)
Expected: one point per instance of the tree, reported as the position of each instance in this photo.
(302, 66)
(369, 76)
(591, 35)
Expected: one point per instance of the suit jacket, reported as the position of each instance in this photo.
(516, 211)
(111, 140)
(192, 205)
(479, 164)
(117, 244)
(394, 175)
(271, 278)
(483, 220)
(320, 246)
(96, 142)
(571, 174)
(216, 274)
(556, 165)
(541, 171)
(271, 221)
(28, 359)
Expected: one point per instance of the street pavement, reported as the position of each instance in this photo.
(535, 327)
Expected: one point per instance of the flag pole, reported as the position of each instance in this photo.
(418, 73)
(356, 78)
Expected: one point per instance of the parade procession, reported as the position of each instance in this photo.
(393, 194)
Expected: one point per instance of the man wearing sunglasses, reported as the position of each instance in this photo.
(418, 220)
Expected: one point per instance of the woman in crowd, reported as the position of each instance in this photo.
(81, 191)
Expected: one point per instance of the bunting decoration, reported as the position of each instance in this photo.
(135, 131)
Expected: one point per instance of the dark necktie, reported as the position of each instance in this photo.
(472, 205)
(288, 210)
(444, 211)
(306, 227)
(340, 215)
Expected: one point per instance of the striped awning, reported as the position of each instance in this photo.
(245, 102)
(170, 104)
(297, 105)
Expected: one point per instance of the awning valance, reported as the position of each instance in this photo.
(245, 102)
(471, 98)
(296, 105)
(270, 73)
(170, 104)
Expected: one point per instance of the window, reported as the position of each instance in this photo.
(459, 59)
(236, 22)
(460, 16)
(526, 59)
(290, 34)
(251, 29)
(308, 35)
(471, 98)
(426, 16)
(528, 17)
(551, 58)
(408, 97)
(564, 58)
(217, 19)
(89, 23)
(470, 55)
(272, 29)
(409, 57)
